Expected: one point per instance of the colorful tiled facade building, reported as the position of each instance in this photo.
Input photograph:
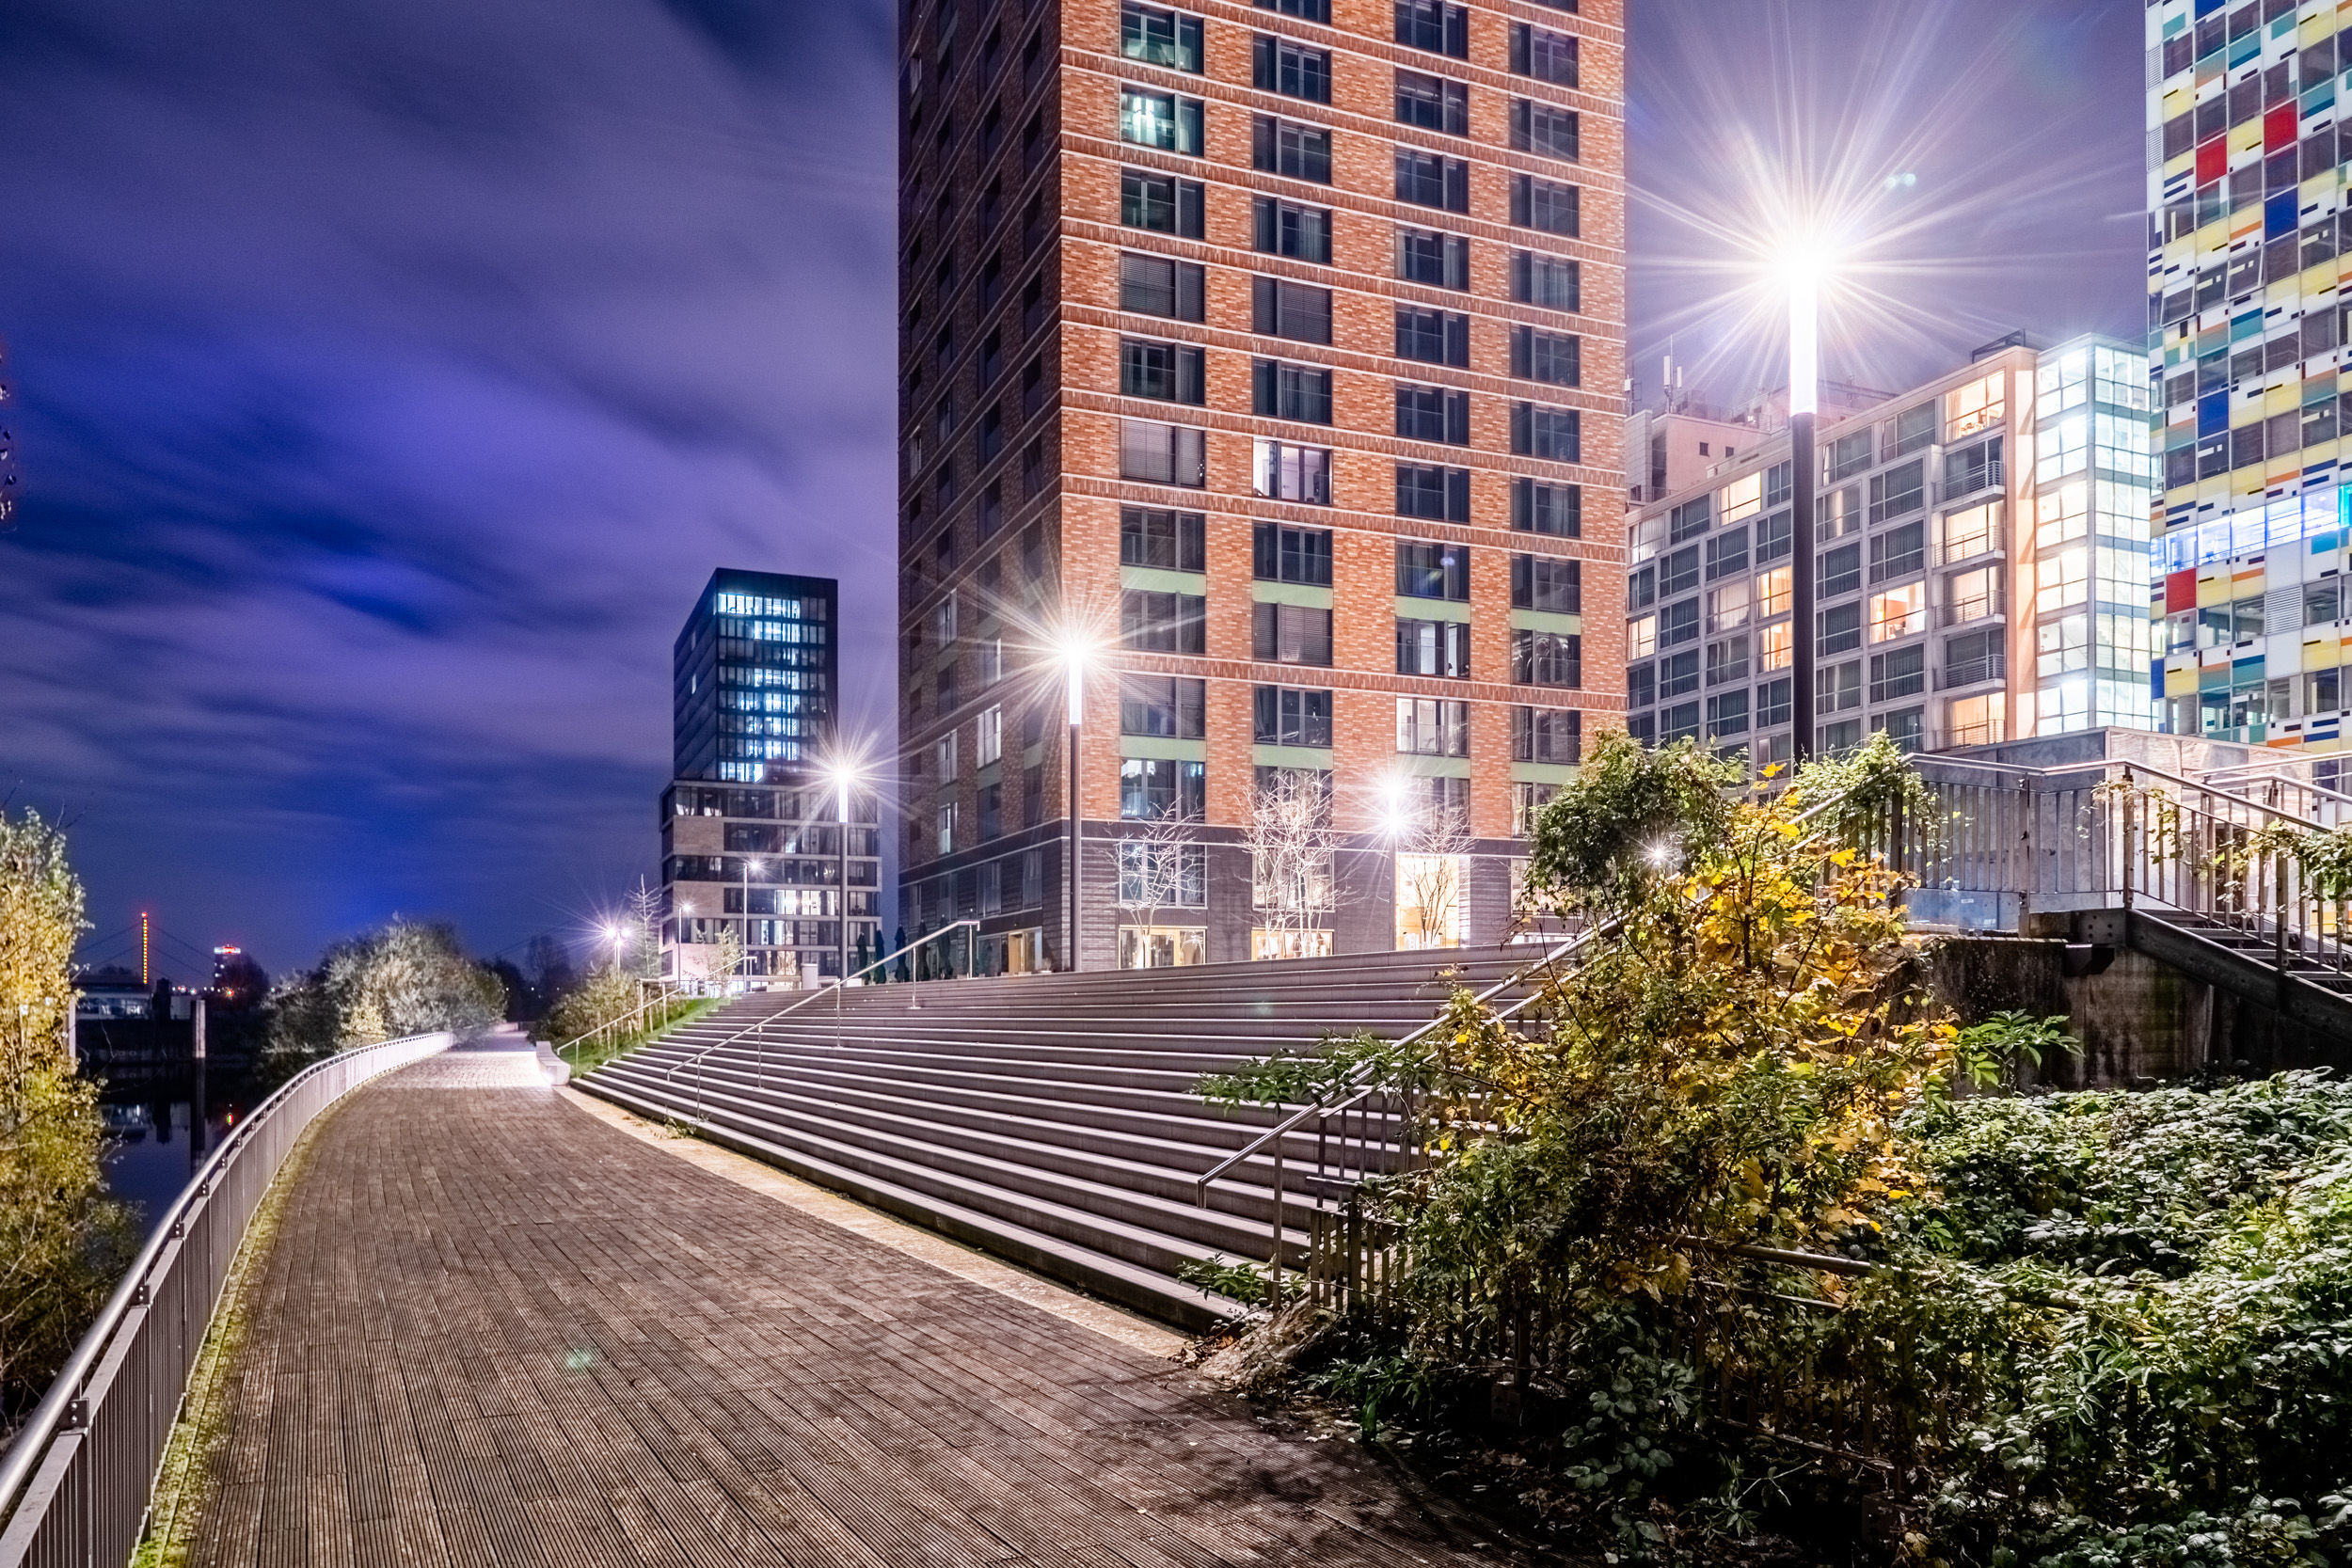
(2249, 235)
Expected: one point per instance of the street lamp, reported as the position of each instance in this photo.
(751, 865)
(1075, 651)
(1803, 262)
(843, 774)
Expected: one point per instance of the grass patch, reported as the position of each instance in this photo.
(592, 1054)
(183, 1482)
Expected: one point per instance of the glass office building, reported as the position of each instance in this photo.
(1981, 568)
(751, 852)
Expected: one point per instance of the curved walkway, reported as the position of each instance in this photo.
(493, 1329)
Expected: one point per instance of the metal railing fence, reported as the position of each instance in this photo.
(76, 1484)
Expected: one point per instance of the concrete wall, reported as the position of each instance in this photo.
(2140, 1020)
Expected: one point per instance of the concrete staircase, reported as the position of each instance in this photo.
(2244, 962)
(1050, 1119)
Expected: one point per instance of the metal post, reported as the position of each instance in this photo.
(196, 1111)
(1803, 391)
(2131, 805)
(1274, 1288)
(844, 803)
(1070, 959)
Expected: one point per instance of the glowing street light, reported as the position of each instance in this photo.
(1804, 261)
(843, 773)
(753, 865)
(1074, 651)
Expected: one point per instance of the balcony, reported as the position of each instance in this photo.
(1953, 677)
(1975, 481)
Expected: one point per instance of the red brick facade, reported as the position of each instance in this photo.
(1068, 174)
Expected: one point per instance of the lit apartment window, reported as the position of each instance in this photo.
(988, 744)
(1160, 119)
(1436, 648)
(1978, 721)
(1161, 789)
(1898, 613)
(1283, 470)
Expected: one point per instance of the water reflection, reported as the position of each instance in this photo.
(153, 1146)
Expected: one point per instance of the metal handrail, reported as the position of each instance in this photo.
(664, 1000)
(766, 1019)
(111, 1343)
(1359, 1082)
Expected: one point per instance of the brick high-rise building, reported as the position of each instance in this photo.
(1280, 348)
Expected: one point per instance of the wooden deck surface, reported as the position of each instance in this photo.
(492, 1329)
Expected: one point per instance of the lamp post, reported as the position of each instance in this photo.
(751, 865)
(1075, 653)
(1803, 264)
(842, 775)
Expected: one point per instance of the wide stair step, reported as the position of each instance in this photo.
(1052, 1119)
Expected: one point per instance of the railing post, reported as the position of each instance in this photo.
(1274, 1288)
(2130, 853)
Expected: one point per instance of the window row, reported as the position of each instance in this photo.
(1155, 454)
(1301, 231)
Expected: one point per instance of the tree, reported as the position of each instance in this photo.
(62, 1241)
(408, 978)
(641, 929)
(1432, 861)
(552, 973)
(1293, 845)
(1158, 867)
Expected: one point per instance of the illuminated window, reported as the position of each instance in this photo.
(2062, 647)
(1775, 646)
(2061, 516)
(2062, 581)
(1973, 532)
(2065, 447)
(2058, 708)
(1978, 405)
(1772, 592)
(989, 744)
(2063, 383)
(1973, 595)
(1727, 606)
(1743, 499)
(1640, 637)
(1898, 613)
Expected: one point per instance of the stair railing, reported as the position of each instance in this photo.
(759, 1027)
(1384, 1136)
(611, 1025)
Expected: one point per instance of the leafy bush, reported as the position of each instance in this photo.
(62, 1241)
(407, 978)
(2093, 1328)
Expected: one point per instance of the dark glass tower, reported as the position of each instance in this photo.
(754, 672)
(757, 877)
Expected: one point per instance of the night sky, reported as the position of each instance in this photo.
(389, 378)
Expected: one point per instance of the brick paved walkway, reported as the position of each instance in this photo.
(492, 1329)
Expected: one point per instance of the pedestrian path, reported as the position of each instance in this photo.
(492, 1328)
